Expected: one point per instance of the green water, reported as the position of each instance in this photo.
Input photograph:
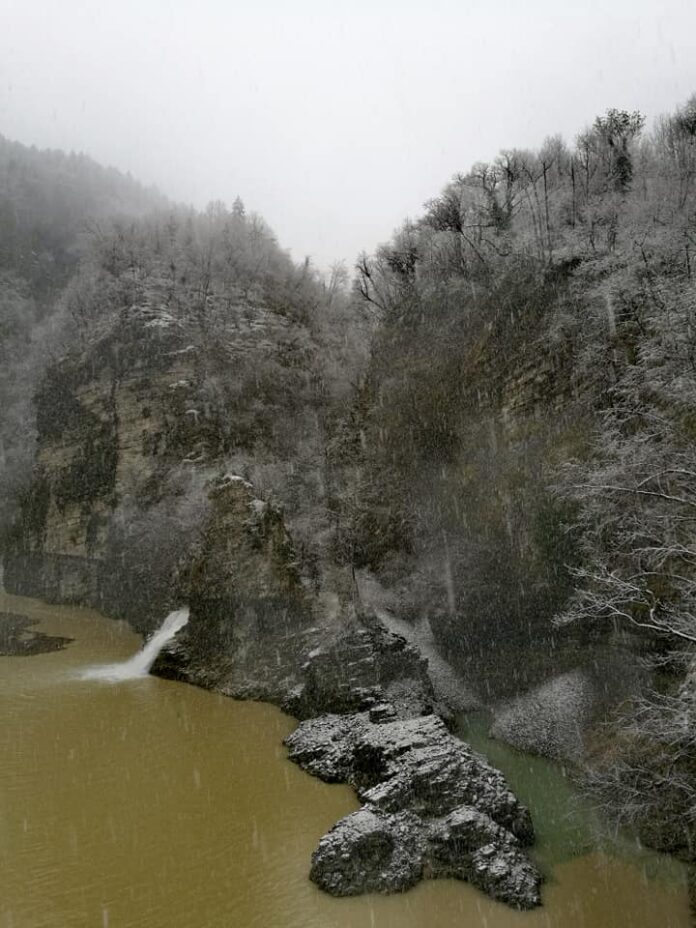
(566, 824)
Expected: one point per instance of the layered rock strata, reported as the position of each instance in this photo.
(133, 425)
(432, 807)
(251, 617)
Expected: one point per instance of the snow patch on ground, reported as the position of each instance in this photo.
(550, 719)
(450, 687)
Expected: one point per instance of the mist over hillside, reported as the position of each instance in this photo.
(525, 458)
(483, 431)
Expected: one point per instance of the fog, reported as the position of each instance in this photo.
(333, 121)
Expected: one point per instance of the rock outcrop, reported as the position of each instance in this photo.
(251, 617)
(132, 427)
(370, 851)
(359, 668)
(431, 805)
(18, 639)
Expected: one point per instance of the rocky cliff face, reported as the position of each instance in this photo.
(471, 407)
(105, 419)
(252, 618)
(130, 433)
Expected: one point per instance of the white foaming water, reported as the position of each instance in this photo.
(139, 665)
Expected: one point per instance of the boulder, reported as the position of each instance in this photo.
(369, 851)
(431, 807)
(359, 669)
(468, 845)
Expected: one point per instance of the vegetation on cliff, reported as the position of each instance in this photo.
(514, 457)
(190, 346)
(50, 203)
(540, 312)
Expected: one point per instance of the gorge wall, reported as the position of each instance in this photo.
(167, 389)
(529, 375)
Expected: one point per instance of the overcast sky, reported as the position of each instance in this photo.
(335, 121)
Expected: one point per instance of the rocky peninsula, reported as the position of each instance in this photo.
(431, 806)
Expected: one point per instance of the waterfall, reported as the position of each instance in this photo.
(139, 665)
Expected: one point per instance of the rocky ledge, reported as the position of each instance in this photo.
(432, 807)
(18, 639)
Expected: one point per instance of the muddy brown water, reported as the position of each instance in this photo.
(152, 803)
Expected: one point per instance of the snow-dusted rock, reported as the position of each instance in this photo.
(431, 805)
(468, 845)
(369, 851)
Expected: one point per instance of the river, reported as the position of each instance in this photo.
(155, 804)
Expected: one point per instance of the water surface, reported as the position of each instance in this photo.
(155, 804)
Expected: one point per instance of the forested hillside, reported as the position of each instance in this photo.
(526, 458)
(48, 200)
(49, 203)
(510, 459)
(189, 345)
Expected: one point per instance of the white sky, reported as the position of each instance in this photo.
(334, 121)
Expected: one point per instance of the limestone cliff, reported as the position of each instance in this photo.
(181, 459)
(473, 403)
(462, 422)
(251, 616)
(131, 431)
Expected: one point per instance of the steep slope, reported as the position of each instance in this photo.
(49, 201)
(518, 462)
(508, 312)
(194, 358)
